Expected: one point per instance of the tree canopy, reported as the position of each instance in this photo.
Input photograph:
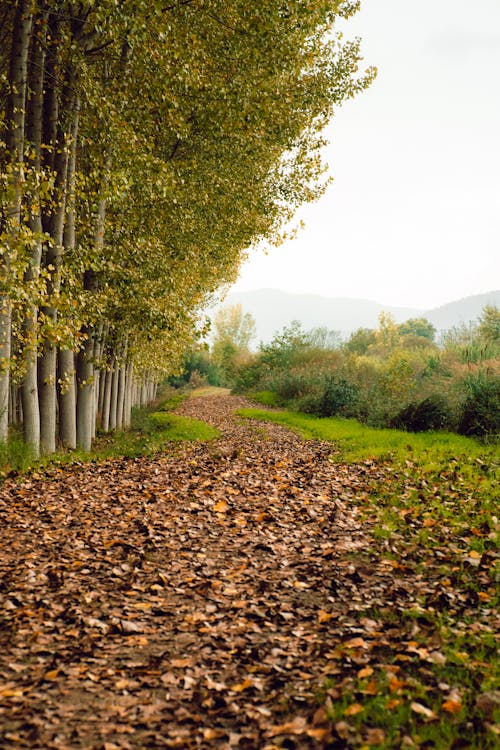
(144, 148)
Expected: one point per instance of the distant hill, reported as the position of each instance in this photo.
(273, 309)
(462, 311)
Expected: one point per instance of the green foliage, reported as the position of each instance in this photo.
(15, 455)
(418, 327)
(232, 325)
(286, 348)
(401, 379)
(233, 333)
(339, 398)
(432, 413)
(323, 338)
(489, 325)
(173, 139)
(480, 411)
(360, 341)
(198, 363)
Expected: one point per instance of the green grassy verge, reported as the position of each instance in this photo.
(358, 442)
(429, 501)
(152, 430)
(266, 398)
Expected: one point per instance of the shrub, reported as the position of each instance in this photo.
(480, 411)
(309, 404)
(430, 414)
(338, 397)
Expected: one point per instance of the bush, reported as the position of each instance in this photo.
(339, 397)
(480, 411)
(430, 414)
(309, 404)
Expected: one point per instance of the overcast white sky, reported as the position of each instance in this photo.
(413, 217)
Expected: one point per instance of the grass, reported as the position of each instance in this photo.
(153, 429)
(358, 442)
(430, 504)
(266, 398)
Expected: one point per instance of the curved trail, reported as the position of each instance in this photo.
(192, 600)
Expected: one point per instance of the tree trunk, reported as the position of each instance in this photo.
(29, 385)
(57, 125)
(67, 398)
(122, 375)
(66, 357)
(114, 396)
(107, 400)
(14, 146)
(85, 403)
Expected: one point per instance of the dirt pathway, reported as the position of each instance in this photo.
(193, 600)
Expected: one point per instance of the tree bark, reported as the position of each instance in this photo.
(85, 403)
(14, 158)
(67, 398)
(114, 396)
(66, 357)
(107, 400)
(56, 129)
(29, 385)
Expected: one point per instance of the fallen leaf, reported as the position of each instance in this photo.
(324, 616)
(365, 672)
(451, 706)
(220, 507)
(354, 709)
(419, 708)
(240, 687)
(297, 726)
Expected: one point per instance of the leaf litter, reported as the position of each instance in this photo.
(221, 595)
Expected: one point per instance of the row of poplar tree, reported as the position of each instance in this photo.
(144, 147)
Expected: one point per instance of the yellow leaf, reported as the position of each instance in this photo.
(354, 709)
(11, 693)
(393, 703)
(239, 688)
(395, 684)
(365, 672)
(452, 707)
(324, 616)
(220, 507)
(371, 688)
(53, 674)
(355, 643)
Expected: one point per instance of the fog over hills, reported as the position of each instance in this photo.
(273, 309)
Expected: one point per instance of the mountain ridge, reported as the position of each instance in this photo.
(273, 309)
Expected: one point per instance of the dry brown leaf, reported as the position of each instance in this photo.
(297, 726)
(353, 709)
